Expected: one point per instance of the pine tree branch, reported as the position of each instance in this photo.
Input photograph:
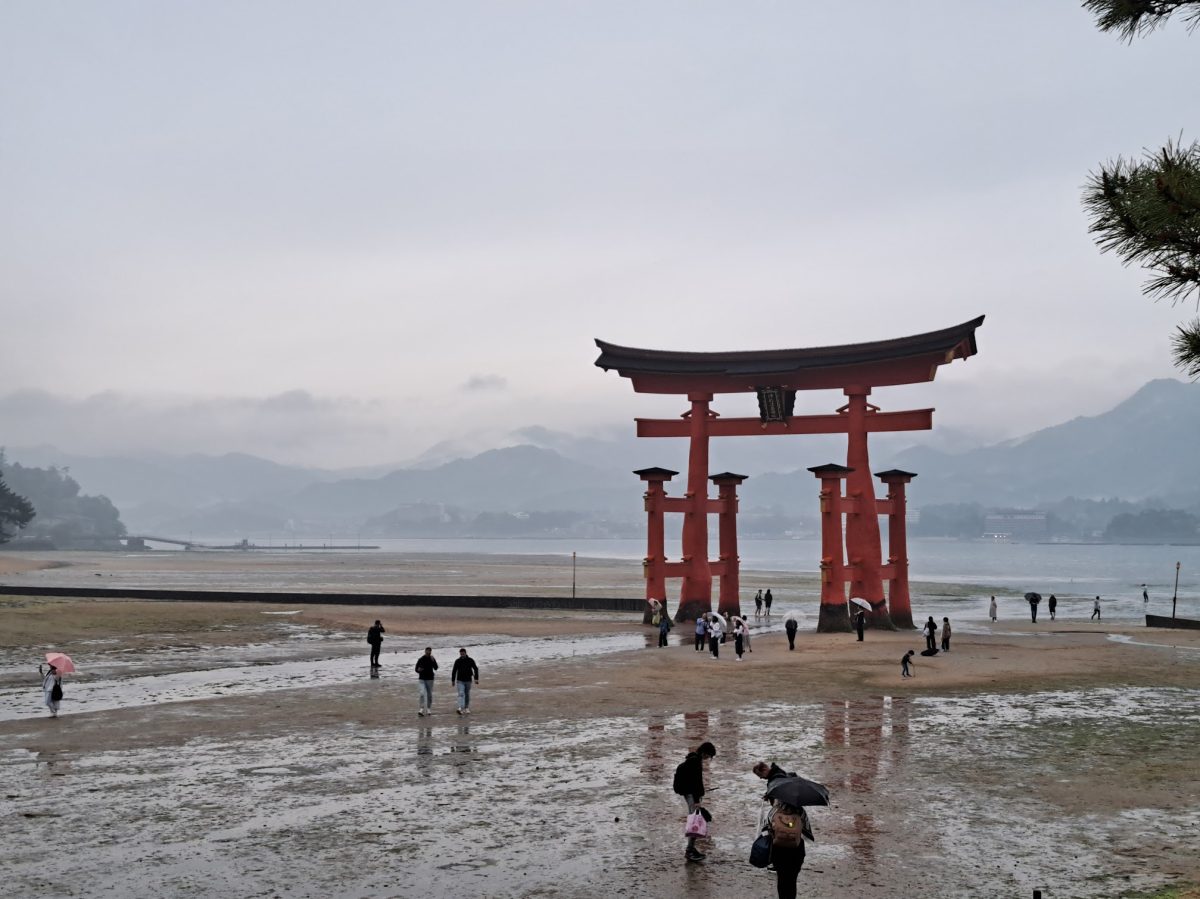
(1185, 347)
(1130, 18)
(1148, 212)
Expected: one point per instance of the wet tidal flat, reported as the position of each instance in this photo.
(559, 783)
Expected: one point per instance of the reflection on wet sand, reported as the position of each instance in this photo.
(865, 739)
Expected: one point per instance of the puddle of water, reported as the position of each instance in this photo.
(250, 670)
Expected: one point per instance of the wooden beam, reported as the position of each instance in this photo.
(908, 420)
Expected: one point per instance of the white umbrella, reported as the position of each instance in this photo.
(861, 603)
(792, 615)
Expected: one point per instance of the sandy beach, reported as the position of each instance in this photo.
(214, 749)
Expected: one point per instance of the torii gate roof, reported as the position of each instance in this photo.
(902, 360)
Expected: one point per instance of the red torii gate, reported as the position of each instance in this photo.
(776, 375)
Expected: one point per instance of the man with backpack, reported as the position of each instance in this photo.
(787, 826)
(689, 783)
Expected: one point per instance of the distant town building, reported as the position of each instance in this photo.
(1017, 525)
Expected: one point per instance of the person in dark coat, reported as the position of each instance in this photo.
(664, 628)
(425, 668)
(787, 860)
(860, 622)
(930, 631)
(375, 637)
(462, 675)
(767, 600)
(1034, 599)
(1052, 604)
(790, 627)
(905, 663)
(689, 783)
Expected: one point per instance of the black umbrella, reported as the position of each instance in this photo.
(1033, 597)
(797, 791)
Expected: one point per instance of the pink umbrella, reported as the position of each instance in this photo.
(61, 661)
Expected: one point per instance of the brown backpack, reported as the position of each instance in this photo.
(787, 828)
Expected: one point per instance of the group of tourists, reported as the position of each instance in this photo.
(930, 631)
(762, 603)
(1035, 599)
(713, 629)
(782, 825)
(463, 674)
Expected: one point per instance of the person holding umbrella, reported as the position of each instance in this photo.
(787, 822)
(57, 664)
(860, 622)
(716, 633)
(1034, 599)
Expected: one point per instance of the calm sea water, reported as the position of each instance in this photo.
(1074, 573)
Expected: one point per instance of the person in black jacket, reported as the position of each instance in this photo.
(860, 621)
(790, 627)
(375, 637)
(689, 783)
(462, 674)
(425, 667)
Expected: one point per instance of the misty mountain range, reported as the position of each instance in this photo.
(552, 483)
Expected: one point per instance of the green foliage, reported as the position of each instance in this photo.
(63, 514)
(15, 510)
(1148, 211)
(949, 520)
(1153, 524)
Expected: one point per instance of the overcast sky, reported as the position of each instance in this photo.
(337, 234)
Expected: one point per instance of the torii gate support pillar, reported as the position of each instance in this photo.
(834, 617)
(899, 601)
(728, 565)
(654, 565)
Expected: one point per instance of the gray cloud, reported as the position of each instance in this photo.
(384, 198)
(485, 382)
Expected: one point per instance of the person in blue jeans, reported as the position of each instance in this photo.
(664, 628)
(464, 672)
(425, 668)
(701, 632)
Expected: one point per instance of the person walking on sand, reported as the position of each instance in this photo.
(425, 668)
(767, 600)
(790, 627)
(906, 662)
(664, 628)
(945, 635)
(375, 637)
(1034, 599)
(758, 601)
(860, 622)
(462, 675)
(992, 608)
(51, 689)
(739, 637)
(1052, 604)
(689, 783)
(701, 632)
(930, 632)
(1096, 610)
(716, 631)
